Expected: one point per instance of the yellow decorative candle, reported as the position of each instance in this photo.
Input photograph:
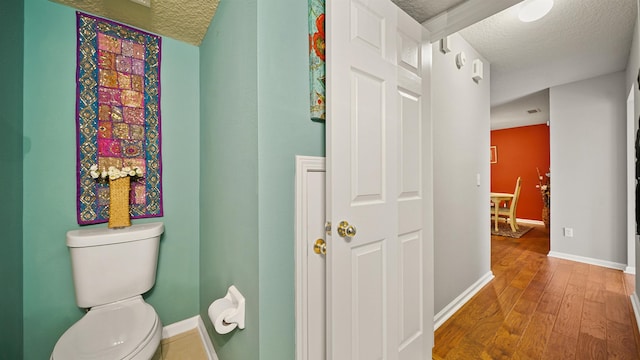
(119, 202)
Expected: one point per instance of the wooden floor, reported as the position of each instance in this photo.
(540, 307)
(184, 346)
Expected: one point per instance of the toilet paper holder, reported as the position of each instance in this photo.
(227, 313)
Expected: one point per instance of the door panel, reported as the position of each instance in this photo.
(410, 181)
(410, 194)
(375, 303)
(367, 129)
(411, 299)
(368, 269)
(367, 26)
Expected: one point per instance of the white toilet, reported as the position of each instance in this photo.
(112, 268)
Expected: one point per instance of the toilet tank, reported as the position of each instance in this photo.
(113, 264)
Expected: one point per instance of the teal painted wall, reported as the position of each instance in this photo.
(234, 115)
(285, 130)
(11, 65)
(229, 170)
(255, 119)
(49, 178)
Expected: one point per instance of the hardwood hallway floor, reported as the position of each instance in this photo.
(539, 307)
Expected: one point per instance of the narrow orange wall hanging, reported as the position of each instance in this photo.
(317, 64)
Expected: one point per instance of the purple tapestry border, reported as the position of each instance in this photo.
(84, 159)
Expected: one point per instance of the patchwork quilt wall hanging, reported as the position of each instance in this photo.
(317, 59)
(117, 115)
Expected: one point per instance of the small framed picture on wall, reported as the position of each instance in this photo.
(494, 155)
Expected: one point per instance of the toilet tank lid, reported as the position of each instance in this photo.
(104, 236)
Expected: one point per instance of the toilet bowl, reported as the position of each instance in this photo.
(125, 330)
(112, 268)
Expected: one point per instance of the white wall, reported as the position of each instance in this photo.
(588, 167)
(460, 113)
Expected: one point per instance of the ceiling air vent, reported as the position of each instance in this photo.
(533, 111)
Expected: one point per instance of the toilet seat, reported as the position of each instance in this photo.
(127, 329)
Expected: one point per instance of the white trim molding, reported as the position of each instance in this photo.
(462, 299)
(304, 165)
(463, 15)
(189, 324)
(587, 260)
(635, 303)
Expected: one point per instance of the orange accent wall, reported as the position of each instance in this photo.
(520, 150)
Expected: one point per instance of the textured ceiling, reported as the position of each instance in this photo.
(577, 40)
(187, 21)
(422, 10)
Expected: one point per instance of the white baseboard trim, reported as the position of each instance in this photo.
(206, 340)
(587, 260)
(635, 303)
(179, 327)
(630, 270)
(462, 299)
(189, 324)
(529, 221)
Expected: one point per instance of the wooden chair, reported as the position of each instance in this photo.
(509, 213)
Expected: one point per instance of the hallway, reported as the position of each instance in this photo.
(539, 307)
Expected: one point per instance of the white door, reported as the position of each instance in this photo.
(310, 262)
(375, 290)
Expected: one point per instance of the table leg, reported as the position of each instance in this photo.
(496, 214)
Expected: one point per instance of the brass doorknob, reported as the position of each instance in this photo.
(320, 247)
(346, 230)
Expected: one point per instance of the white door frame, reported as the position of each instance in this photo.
(309, 273)
(631, 183)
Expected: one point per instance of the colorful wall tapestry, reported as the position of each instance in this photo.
(316, 59)
(117, 115)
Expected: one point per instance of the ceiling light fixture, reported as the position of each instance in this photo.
(532, 10)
